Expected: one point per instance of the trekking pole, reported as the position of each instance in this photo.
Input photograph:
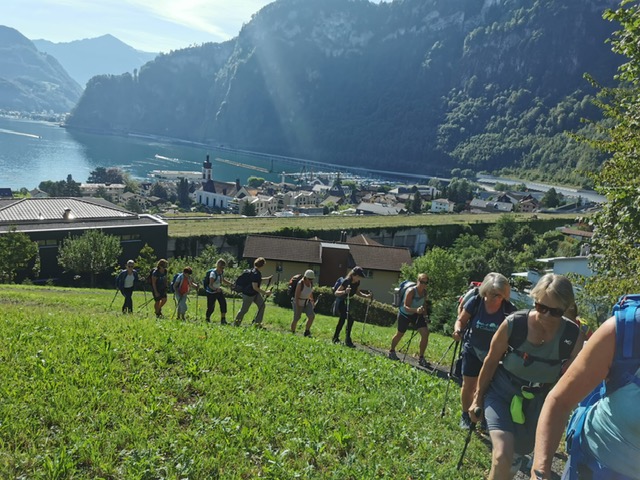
(443, 355)
(408, 344)
(477, 412)
(449, 375)
(197, 298)
(113, 299)
(366, 314)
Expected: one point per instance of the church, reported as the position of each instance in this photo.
(216, 195)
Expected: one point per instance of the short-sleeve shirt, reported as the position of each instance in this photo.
(254, 277)
(348, 283)
(484, 325)
(161, 280)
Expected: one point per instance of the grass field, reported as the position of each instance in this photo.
(89, 393)
(181, 226)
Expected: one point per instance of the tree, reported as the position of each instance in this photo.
(93, 253)
(146, 260)
(255, 182)
(183, 193)
(17, 252)
(248, 209)
(133, 205)
(416, 204)
(617, 225)
(550, 199)
(106, 175)
(158, 190)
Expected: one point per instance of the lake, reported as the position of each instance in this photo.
(32, 151)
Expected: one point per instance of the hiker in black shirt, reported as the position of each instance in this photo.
(253, 293)
(349, 287)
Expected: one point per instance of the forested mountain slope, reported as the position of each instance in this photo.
(423, 85)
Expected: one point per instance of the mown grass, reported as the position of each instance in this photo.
(230, 225)
(89, 393)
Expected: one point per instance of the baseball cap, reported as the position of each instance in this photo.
(358, 271)
(310, 274)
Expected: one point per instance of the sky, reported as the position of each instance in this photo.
(148, 25)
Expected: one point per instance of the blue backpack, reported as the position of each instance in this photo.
(173, 284)
(400, 290)
(626, 361)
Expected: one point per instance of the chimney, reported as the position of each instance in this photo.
(67, 215)
(238, 184)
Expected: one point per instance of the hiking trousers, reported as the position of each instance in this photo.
(342, 309)
(247, 300)
(212, 297)
(127, 306)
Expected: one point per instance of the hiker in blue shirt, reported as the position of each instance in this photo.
(412, 314)
(477, 322)
(349, 287)
(611, 432)
(525, 359)
(125, 281)
(214, 292)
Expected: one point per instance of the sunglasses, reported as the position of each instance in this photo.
(424, 282)
(554, 312)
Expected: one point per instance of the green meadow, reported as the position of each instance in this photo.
(89, 393)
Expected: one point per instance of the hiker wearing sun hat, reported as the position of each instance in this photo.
(303, 302)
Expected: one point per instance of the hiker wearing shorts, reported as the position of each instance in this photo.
(525, 359)
(253, 293)
(480, 317)
(214, 292)
(412, 314)
(182, 286)
(303, 302)
(159, 285)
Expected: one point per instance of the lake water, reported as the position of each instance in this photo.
(31, 152)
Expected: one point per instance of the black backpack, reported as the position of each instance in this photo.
(293, 284)
(337, 285)
(207, 278)
(243, 281)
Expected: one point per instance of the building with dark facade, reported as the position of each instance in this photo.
(48, 221)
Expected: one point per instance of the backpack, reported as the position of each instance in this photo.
(151, 272)
(293, 284)
(243, 281)
(400, 290)
(174, 283)
(337, 285)
(626, 360)
(207, 278)
(519, 335)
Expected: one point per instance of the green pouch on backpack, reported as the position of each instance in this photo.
(517, 415)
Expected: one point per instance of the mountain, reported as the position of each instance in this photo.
(86, 58)
(31, 81)
(412, 85)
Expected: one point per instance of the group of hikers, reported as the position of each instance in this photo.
(523, 371)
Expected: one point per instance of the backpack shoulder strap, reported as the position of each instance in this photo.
(626, 359)
(519, 330)
(568, 339)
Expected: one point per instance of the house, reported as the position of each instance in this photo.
(6, 193)
(378, 209)
(213, 194)
(37, 193)
(329, 260)
(48, 221)
(264, 205)
(440, 205)
(484, 206)
(91, 189)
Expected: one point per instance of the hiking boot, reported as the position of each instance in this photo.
(423, 363)
(237, 323)
(393, 355)
(307, 333)
(465, 421)
(349, 343)
(335, 340)
(259, 326)
(222, 322)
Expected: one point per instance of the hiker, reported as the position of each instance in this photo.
(475, 326)
(303, 302)
(125, 282)
(349, 286)
(181, 287)
(159, 284)
(252, 293)
(525, 359)
(213, 290)
(412, 315)
(610, 440)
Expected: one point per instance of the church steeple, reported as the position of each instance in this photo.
(206, 170)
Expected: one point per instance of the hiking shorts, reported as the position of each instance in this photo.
(471, 364)
(414, 322)
(160, 296)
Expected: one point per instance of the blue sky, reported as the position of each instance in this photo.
(149, 25)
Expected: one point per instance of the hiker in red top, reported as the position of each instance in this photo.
(182, 286)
